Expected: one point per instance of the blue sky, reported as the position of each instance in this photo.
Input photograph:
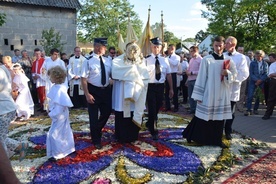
(182, 17)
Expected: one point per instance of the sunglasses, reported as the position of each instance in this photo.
(112, 52)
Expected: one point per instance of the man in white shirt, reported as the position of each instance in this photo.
(243, 73)
(271, 102)
(159, 71)
(50, 62)
(244, 84)
(111, 53)
(174, 61)
(95, 82)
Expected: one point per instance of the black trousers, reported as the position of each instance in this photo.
(184, 88)
(266, 90)
(155, 96)
(102, 103)
(271, 102)
(175, 96)
(78, 100)
(229, 122)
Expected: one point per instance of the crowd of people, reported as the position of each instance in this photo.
(213, 85)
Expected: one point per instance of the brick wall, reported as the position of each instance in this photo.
(24, 25)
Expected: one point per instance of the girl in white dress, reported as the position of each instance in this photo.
(24, 100)
(60, 140)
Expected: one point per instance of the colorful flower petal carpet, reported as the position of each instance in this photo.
(171, 159)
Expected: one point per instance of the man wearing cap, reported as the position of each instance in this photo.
(95, 82)
(159, 70)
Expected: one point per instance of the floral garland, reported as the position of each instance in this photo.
(124, 177)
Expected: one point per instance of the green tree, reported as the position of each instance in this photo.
(51, 40)
(201, 35)
(2, 18)
(170, 38)
(252, 22)
(190, 40)
(102, 18)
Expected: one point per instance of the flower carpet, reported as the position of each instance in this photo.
(169, 160)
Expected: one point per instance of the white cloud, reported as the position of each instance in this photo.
(195, 12)
(179, 28)
(199, 6)
(194, 20)
(196, 8)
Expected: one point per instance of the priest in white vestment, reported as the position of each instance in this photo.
(212, 92)
(74, 76)
(129, 92)
(60, 140)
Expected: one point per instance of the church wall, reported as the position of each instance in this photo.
(24, 25)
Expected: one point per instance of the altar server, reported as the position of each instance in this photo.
(60, 140)
(212, 92)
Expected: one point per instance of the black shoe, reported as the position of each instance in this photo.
(175, 110)
(265, 117)
(147, 125)
(73, 154)
(52, 159)
(167, 109)
(228, 136)
(155, 137)
(98, 146)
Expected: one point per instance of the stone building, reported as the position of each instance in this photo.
(25, 20)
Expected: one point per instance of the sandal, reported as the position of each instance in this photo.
(23, 151)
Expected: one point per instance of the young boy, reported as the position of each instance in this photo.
(60, 140)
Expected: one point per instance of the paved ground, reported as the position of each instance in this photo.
(255, 127)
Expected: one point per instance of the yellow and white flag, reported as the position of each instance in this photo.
(131, 35)
(144, 41)
(121, 43)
